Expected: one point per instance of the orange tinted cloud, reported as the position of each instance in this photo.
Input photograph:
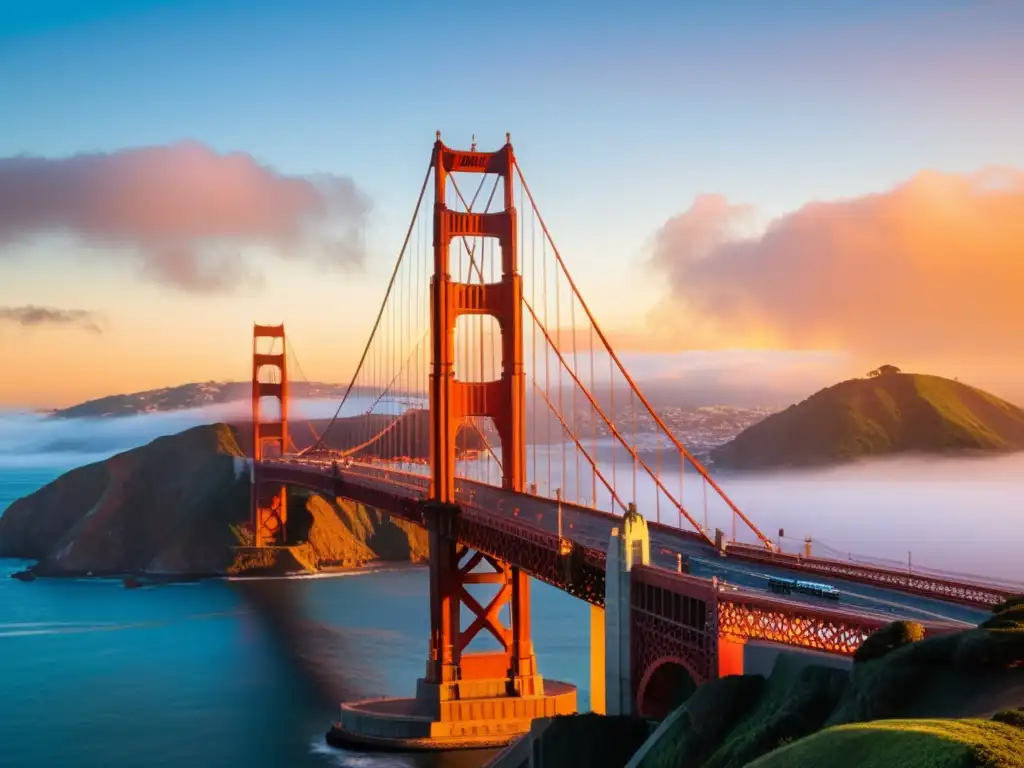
(930, 270)
(180, 213)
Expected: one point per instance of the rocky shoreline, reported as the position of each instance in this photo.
(134, 580)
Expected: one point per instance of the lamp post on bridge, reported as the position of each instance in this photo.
(564, 545)
(558, 502)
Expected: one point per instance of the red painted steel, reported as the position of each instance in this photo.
(752, 617)
(269, 506)
(530, 549)
(453, 402)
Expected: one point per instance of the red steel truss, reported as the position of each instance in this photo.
(800, 626)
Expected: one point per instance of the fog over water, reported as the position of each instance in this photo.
(29, 440)
(956, 515)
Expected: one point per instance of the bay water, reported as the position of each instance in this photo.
(93, 674)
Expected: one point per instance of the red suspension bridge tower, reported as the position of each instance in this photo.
(270, 505)
(453, 674)
(469, 697)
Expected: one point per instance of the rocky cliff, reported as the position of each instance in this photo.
(176, 507)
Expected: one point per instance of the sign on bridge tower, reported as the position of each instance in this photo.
(452, 673)
(270, 508)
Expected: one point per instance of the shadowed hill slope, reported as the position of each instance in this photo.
(891, 413)
(177, 507)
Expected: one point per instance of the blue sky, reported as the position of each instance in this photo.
(770, 103)
(620, 113)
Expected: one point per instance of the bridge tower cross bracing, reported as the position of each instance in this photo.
(450, 671)
(269, 505)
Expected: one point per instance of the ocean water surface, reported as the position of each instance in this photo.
(98, 676)
(92, 674)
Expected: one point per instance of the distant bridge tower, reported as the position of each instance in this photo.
(269, 505)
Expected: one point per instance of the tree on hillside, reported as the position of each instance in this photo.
(884, 370)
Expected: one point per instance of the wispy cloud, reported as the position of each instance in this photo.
(30, 316)
(183, 213)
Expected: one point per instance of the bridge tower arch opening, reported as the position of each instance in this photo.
(668, 683)
(269, 431)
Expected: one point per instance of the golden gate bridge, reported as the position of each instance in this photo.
(489, 406)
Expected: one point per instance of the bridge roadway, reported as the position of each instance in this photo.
(592, 528)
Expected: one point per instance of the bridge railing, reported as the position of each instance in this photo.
(751, 616)
(965, 593)
(831, 630)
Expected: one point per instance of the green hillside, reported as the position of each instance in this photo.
(947, 701)
(905, 743)
(884, 414)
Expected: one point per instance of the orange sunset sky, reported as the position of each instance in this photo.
(794, 180)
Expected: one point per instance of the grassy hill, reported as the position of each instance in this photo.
(906, 743)
(947, 701)
(890, 413)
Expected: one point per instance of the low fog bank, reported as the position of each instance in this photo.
(962, 515)
(31, 440)
(959, 515)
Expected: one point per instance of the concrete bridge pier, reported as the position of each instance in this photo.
(610, 647)
(614, 682)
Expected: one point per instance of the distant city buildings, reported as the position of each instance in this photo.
(699, 429)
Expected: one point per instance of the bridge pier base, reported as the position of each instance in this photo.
(465, 699)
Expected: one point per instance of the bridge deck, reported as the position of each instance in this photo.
(875, 591)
